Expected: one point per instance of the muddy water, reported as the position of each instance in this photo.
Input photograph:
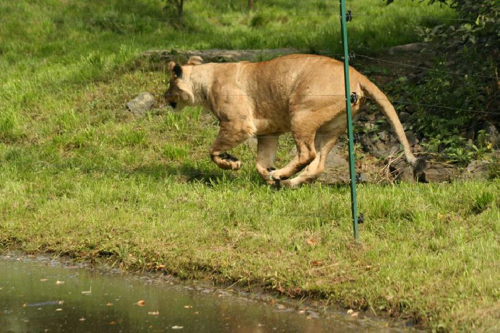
(44, 295)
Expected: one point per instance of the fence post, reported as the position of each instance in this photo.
(352, 172)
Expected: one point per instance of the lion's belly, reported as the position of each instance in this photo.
(270, 116)
(271, 126)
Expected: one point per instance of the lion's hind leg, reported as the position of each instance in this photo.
(306, 153)
(304, 125)
(324, 143)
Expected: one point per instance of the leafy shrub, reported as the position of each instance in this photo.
(462, 95)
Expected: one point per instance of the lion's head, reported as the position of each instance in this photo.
(180, 91)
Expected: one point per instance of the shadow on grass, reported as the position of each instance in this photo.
(211, 177)
(339, 187)
(187, 171)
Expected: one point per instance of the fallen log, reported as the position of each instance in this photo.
(216, 55)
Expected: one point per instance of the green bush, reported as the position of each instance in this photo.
(455, 101)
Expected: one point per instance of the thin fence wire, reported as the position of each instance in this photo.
(366, 56)
(271, 214)
(438, 18)
(394, 102)
(423, 68)
(250, 14)
(259, 214)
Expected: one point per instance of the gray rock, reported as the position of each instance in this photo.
(362, 178)
(141, 104)
(493, 135)
(406, 175)
(383, 135)
(365, 117)
(478, 170)
(412, 139)
(336, 170)
(407, 48)
(369, 126)
(404, 116)
(336, 161)
(440, 173)
(402, 171)
(379, 148)
(216, 55)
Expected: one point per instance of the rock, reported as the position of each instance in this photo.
(362, 177)
(407, 48)
(336, 161)
(219, 55)
(414, 78)
(369, 126)
(404, 117)
(406, 175)
(439, 173)
(478, 170)
(402, 171)
(412, 139)
(337, 165)
(365, 117)
(493, 135)
(417, 149)
(141, 104)
(383, 135)
(379, 148)
(337, 172)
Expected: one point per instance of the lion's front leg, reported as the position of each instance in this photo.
(226, 161)
(228, 138)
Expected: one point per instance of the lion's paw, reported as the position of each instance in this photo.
(273, 176)
(227, 162)
(236, 165)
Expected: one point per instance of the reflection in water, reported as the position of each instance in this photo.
(45, 296)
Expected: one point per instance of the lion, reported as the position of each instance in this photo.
(302, 94)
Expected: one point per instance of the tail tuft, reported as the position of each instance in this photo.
(419, 165)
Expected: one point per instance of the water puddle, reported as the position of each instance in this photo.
(44, 295)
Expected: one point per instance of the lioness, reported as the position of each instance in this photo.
(303, 94)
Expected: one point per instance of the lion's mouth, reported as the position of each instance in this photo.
(173, 104)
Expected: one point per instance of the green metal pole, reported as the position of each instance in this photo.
(352, 172)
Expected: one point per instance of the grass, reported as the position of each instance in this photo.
(80, 176)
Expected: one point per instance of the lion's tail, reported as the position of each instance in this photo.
(383, 102)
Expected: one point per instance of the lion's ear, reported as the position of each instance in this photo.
(175, 69)
(195, 60)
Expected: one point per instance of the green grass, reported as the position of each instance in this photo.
(80, 176)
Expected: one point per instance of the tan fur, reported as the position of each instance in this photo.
(303, 94)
